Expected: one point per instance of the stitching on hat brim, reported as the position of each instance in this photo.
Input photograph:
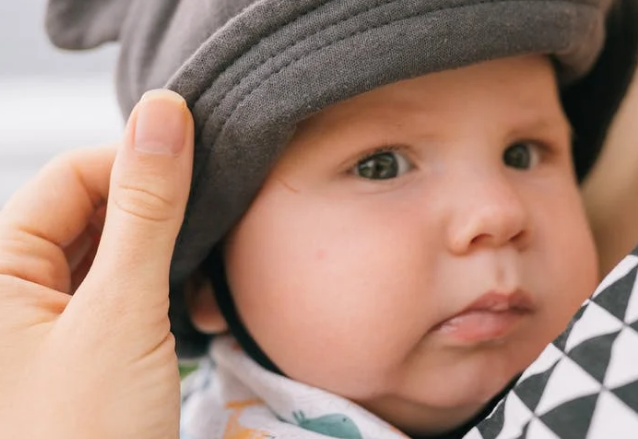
(300, 57)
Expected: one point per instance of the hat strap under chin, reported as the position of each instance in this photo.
(214, 268)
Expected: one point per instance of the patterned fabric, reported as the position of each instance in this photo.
(585, 384)
(231, 397)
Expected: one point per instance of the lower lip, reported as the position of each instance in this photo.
(480, 326)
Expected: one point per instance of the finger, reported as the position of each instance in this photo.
(149, 189)
(49, 213)
(84, 257)
(78, 250)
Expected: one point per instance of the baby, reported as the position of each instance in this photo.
(385, 201)
(414, 249)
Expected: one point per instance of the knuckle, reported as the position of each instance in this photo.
(64, 164)
(143, 203)
(65, 161)
(33, 259)
(59, 164)
(73, 161)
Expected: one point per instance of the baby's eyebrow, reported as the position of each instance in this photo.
(551, 123)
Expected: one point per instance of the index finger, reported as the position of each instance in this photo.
(50, 212)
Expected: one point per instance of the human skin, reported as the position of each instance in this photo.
(86, 349)
(344, 280)
(610, 188)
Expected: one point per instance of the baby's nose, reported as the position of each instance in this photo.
(491, 213)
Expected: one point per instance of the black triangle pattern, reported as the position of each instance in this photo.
(594, 354)
(528, 389)
(492, 426)
(571, 420)
(628, 394)
(561, 341)
(615, 297)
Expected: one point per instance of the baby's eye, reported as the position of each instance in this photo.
(382, 166)
(521, 155)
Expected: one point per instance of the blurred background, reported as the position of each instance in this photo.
(50, 100)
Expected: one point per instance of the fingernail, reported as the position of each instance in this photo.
(161, 123)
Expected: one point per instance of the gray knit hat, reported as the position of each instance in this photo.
(250, 70)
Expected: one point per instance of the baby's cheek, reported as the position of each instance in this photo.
(574, 265)
(317, 293)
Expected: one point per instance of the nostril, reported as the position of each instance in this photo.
(483, 239)
(521, 238)
(516, 233)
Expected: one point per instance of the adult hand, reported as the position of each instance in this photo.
(92, 356)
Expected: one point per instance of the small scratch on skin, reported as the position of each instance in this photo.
(287, 185)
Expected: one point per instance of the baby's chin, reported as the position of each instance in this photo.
(416, 419)
(427, 406)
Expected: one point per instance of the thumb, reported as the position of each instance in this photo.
(149, 188)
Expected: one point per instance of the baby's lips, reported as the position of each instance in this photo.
(497, 301)
(481, 326)
(491, 317)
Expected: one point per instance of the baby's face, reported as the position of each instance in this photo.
(417, 246)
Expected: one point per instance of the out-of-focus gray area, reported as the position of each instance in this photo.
(50, 100)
